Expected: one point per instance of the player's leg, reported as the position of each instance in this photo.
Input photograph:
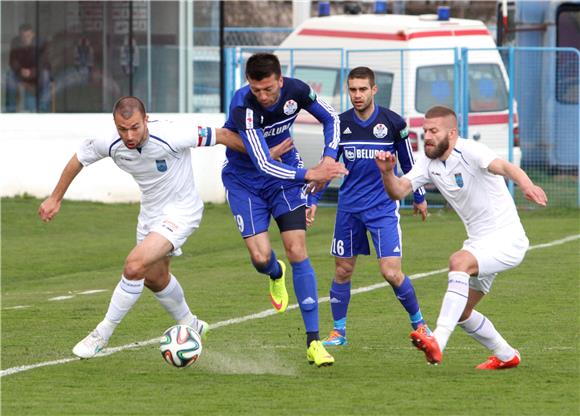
(462, 264)
(404, 291)
(264, 260)
(252, 215)
(385, 231)
(340, 299)
(143, 256)
(292, 227)
(481, 329)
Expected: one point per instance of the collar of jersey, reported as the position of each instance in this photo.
(365, 123)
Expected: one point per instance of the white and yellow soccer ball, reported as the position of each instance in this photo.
(180, 346)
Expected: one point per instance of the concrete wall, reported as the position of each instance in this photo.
(34, 149)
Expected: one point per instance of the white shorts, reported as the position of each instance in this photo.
(496, 252)
(176, 225)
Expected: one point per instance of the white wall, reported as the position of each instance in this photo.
(34, 148)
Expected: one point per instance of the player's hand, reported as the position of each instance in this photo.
(325, 171)
(421, 209)
(535, 194)
(385, 161)
(277, 151)
(48, 209)
(310, 215)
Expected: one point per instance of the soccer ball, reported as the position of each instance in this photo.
(180, 346)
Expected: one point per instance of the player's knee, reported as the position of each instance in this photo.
(394, 276)
(134, 269)
(458, 263)
(260, 261)
(466, 313)
(343, 273)
(296, 252)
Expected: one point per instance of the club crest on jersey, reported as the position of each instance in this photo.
(290, 107)
(350, 153)
(380, 131)
(161, 165)
(459, 180)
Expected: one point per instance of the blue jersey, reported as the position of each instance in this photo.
(362, 188)
(261, 128)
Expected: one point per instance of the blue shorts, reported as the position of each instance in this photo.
(350, 233)
(253, 206)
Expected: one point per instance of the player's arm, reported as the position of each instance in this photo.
(397, 188)
(531, 191)
(51, 205)
(406, 160)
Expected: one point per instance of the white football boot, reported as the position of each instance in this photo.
(90, 346)
(199, 326)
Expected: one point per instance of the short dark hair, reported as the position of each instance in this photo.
(362, 72)
(126, 106)
(25, 27)
(262, 65)
(440, 111)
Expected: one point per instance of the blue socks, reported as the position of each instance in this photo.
(339, 300)
(272, 269)
(406, 295)
(307, 295)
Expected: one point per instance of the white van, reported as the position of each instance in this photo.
(415, 62)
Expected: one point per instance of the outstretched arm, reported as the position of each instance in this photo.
(531, 191)
(51, 205)
(397, 188)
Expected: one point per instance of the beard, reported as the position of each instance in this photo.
(439, 150)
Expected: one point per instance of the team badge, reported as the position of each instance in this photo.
(459, 180)
(161, 165)
(350, 153)
(290, 107)
(380, 131)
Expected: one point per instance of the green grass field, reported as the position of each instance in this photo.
(258, 366)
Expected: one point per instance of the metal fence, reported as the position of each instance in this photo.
(521, 102)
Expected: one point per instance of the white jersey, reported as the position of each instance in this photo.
(480, 198)
(161, 167)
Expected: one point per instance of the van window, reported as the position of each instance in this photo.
(384, 82)
(568, 35)
(324, 81)
(487, 89)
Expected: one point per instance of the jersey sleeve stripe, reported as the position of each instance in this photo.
(263, 163)
(113, 144)
(335, 121)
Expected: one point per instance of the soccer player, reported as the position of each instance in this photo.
(259, 187)
(471, 178)
(363, 205)
(157, 155)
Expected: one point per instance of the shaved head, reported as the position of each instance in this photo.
(127, 106)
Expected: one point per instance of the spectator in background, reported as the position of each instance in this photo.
(27, 76)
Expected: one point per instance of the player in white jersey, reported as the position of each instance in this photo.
(471, 178)
(157, 155)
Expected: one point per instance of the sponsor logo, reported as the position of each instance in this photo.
(404, 133)
(277, 130)
(161, 165)
(249, 119)
(397, 250)
(125, 158)
(290, 107)
(308, 301)
(459, 180)
(334, 300)
(350, 153)
(380, 131)
(347, 131)
(435, 173)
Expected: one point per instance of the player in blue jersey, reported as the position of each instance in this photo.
(259, 187)
(363, 205)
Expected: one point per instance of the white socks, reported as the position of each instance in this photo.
(482, 330)
(124, 297)
(453, 305)
(173, 300)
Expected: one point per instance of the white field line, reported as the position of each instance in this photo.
(259, 315)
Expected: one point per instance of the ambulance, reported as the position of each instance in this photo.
(418, 63)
